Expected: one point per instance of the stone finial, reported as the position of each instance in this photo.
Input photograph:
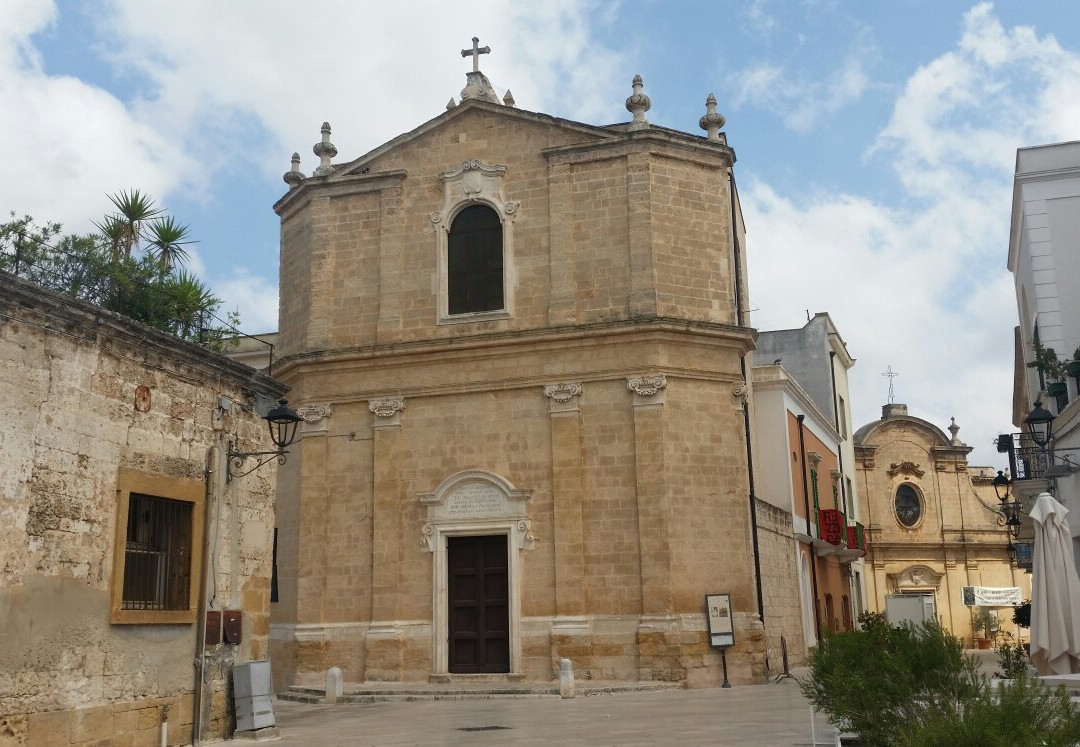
(508, 98)
(713, 120)
(637, 104)
(294, 178)
(954, 429)
(325, 150)
(450, 104)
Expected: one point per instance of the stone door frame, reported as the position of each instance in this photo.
(506, 509)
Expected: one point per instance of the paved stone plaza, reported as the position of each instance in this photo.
(772, 714)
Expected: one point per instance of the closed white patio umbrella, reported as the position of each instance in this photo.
(1055, 592)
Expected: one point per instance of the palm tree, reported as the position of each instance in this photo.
(190, 300)
(166, 242)
(124, 229)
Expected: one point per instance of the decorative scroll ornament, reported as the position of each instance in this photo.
(314, 413)
(387, 408)
(647, 386)
(739, 393)
(427, 534)
(563, 392)
(527, 537)
(906, 467)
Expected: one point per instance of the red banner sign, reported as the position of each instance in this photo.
(831, 521)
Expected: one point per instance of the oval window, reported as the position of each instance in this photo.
(908, 505)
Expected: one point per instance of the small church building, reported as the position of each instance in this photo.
(520, 345)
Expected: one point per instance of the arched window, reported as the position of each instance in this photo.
(908, 505)
(475, 261)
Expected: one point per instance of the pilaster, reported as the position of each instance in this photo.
(567, 487)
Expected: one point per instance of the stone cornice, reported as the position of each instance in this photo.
(27, 303)
(664, 143)
(333, 185)
(656, 328)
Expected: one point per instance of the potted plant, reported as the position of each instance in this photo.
(1022, 614)
(1074, 364)
(982, 620)
(1053, 370)
(1004, 443)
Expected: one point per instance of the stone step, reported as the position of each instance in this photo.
(357, 693)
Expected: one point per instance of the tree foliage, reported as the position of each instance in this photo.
(900, 687)
(132, 264)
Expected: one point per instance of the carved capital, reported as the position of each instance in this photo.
(387, 410)
(563, 396)
(313, 413)
(647, 386)
(739, 393)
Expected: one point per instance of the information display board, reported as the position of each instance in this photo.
(721, 627)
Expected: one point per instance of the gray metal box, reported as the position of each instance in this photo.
(252, 695)
(252, 678)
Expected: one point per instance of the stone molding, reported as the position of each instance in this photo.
(474, 182)
(474, 503)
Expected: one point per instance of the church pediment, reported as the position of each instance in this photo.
(458, 119)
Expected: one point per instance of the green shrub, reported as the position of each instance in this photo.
(1021, 713)
(1012, 658)
(881, 679)
(915, 687)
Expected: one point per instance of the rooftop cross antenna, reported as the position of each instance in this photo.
(892, 375)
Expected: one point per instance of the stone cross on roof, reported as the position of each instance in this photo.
(476, 51)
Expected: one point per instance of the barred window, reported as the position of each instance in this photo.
(157, 562)
(157, 552)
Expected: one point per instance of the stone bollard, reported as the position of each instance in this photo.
(335, 685)
(566, 679)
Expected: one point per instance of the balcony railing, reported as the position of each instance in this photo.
(1026, 460)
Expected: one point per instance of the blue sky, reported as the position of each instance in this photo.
(875, 140)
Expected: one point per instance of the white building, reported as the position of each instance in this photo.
(1044, 257)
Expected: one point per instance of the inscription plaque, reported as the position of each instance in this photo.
(475, 499)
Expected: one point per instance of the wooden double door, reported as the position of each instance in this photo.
(479, 604)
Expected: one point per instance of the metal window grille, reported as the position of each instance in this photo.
(157, 559)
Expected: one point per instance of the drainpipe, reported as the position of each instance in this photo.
(806, 500)
(204, 584)
(753, 512)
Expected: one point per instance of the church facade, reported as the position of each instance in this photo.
(933, 521)
(520, 347)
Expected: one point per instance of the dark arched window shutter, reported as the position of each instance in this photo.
(475, 261)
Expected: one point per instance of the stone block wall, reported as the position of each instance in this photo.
(780, 586)
(92, 395)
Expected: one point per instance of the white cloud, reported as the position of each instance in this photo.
(803, 100)
(923, 287)
(256, 298)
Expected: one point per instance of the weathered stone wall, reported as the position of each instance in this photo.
(780, 586)
(68, 375)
